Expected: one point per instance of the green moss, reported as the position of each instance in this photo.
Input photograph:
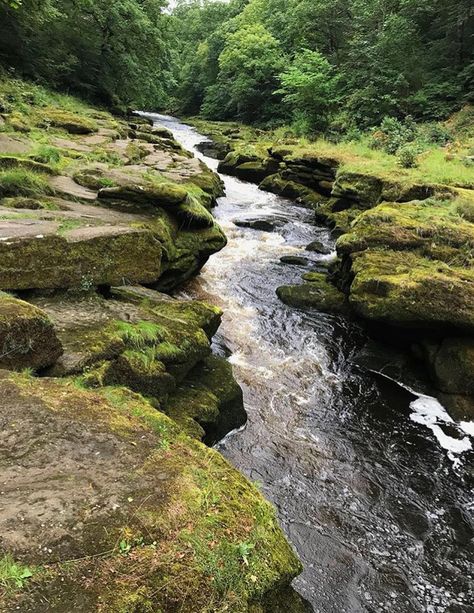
(158, 194)
(10, 161)
(316, 293)
(54, 262)
(27, 336)
(427, 225)
(23, 182)
(404, 288)
(65, 120)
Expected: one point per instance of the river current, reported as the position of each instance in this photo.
(372, 480)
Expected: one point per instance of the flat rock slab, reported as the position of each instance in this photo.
(67, 186)
(10, 144)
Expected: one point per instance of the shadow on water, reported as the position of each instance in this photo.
(378, 508)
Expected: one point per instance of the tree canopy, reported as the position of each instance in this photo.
(344, 63)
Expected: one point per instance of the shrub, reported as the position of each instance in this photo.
(393, 134)
(465, 209)
(408, 156)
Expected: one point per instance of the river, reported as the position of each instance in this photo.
(372, 482)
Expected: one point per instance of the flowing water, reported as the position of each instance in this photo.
(371, 480)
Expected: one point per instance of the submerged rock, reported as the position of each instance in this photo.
(294, 259)
(319, 247)
(264, 225)
(317, 293)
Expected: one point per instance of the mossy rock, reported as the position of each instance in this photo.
(234, 159)
(160, 194)
(27, 336)
(23, 202)
(406, 289)
(10, 161)
(208, 403)
(169, 524)
(427, 225)
(452, 365)
(256, 171)
(192, 214)
(365, 190)
(65, 120)
(56, 262)
(316, 293)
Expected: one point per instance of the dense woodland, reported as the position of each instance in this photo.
(334, 67)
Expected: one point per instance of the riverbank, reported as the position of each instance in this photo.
(109, 385)
(404, 241)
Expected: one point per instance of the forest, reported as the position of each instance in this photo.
(334, 67)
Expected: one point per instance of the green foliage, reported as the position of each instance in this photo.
(248, 68)
(12, 575)
(113, 51)
(349, 62)
(393, 134)
(408, 156)
(308, 87)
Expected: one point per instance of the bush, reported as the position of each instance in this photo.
(408, 156)
(465, 209)
(393, 134)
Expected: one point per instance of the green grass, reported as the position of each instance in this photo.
(22, 182)
(140, 335)
(13, 576)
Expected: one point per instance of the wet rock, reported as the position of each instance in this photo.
(214, 150)
(318, 247)
(452, 364)
(27, 336)
(294, 259)
(208, 403)
(264, 225)
(316, 293)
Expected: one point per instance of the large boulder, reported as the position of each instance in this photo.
(164, 194)
(406, 289)
(107, 505)
(27, 336)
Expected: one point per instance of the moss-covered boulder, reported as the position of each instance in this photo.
(407, 289)
(433, 226)
(27, 336)
(83, 259)
(208, 403)
(452, 364)
(316, 293)
(65, 120)
(140, 518)
(158, 194)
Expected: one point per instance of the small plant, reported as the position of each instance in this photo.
(141, 334)
(13, 575)
(408, 156)
(47, 154)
